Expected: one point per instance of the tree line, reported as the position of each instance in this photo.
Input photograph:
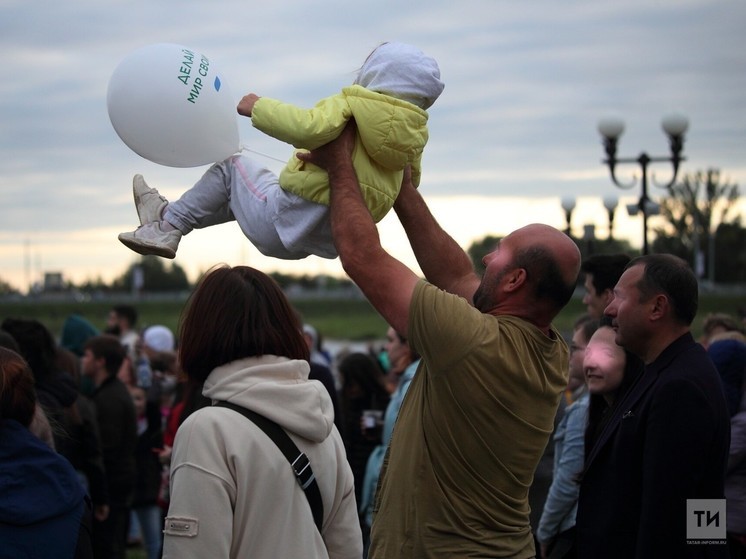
(700, 224)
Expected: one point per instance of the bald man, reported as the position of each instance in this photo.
(481, 407)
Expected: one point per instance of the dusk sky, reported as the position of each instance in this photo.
(513, 132)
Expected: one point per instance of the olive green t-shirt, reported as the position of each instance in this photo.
(470, 433)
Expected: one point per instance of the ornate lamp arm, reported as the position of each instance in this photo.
(674, 126)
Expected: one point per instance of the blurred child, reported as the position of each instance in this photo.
(147, 486)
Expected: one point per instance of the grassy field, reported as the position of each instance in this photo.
(346, 319)
(338, 319)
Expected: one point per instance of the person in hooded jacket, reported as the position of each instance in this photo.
(76, 331)
(233, 493)
(44, 511)
(55, 388)
(727, 350)
(115, 412)
(288, 217)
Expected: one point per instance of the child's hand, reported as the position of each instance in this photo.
(164, 454)
(246, 104)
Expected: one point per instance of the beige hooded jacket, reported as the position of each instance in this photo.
(233, 493)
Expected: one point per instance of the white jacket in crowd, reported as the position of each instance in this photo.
(233, 493)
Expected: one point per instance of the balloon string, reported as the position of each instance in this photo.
(244, 148)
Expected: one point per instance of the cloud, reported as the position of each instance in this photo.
(526, 84)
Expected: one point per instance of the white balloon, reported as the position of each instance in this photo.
(170, 105)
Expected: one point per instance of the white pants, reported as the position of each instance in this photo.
(277, 222)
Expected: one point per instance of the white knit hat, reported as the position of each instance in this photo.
(404, 72)
(159, 338)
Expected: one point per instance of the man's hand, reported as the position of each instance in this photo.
(386, 282)
(338, 151)
(443, 261)
(101, 512)
(406, 185)
(246, 104)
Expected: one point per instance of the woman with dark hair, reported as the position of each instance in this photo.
(610, 371)
(233, 493)
(55, 389)
(363, 390)
(403, 363)
(44, 512)
(75, 429)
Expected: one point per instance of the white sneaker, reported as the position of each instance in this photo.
(151, 239)
(148, 201)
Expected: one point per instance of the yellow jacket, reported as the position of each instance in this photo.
(390, 134)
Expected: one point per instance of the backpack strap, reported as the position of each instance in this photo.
(298, 460)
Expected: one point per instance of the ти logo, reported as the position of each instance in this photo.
(705, 519)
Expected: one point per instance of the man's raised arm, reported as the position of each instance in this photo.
(442, 260)
(387, 283)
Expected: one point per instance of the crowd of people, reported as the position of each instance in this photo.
(119, 426)
(104, 407)
(477, 432)
(109, 405)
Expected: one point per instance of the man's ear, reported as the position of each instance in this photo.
(658, 306)
(515, 279)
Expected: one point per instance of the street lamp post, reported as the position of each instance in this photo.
(611, 129)
(568, 205)
(610, 203)
(589, 235)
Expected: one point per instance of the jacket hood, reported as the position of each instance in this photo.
(76, 331)
(277, 388)
(402, 71)
(57, 388)
(37, 483)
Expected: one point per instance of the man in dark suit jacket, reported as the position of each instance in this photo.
(667, 439)
(115, 412)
